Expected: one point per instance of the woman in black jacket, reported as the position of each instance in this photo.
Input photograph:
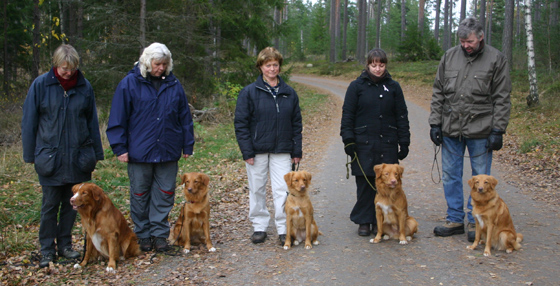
(268, 130)
(375, 127)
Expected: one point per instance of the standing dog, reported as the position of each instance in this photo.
(300, 224)
(493, 221)
(391, 206)
(107, 232)
(193, 221)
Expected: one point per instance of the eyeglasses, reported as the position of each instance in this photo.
(65, 69)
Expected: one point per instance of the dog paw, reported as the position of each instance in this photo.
(308, 246)
(296, 243)
(375, 240)
(316, 242)
(403, 242)
(509, 250)
(212, 249)
(470, 247)
(286, 247)
(186, 251)
(408, 238)
(386, 237)
(487, 253)
(77, 266)
(111, 270)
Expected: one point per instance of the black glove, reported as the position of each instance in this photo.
(403, 152)
(350, 148)
(436, 135)
(495, 141)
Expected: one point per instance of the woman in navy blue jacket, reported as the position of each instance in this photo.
(268, 130)
(150, 128)
(374, 126)
(60, 136)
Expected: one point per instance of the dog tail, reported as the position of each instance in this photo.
(519, 237)
(320, 233)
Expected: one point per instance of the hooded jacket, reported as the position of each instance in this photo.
(375, 117)
(471, 94)
(265, 123)
(153, 126)
(60, 130)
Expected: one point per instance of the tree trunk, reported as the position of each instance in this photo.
(482, 17)
(362, 21)
(518, 25)
(143, 23)
(333, 24)
(446, 25)
(36, 39)
(344, 30)
(62, 9)
(489, 29)
(436, 24)
(378, 24)
(533, 97)
(403, 19)
(507, 36)
(277, 21)
(6, 54)
(463, 13)
(421, 15)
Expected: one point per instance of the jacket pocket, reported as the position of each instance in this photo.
(450, 80)
(480, 122)
(85, 157)
(481, 83)
(45, 161)
(361, 134)
(450, 121)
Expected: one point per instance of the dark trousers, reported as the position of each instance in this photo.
(364, 209)
(57, 219)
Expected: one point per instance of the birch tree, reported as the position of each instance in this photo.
(533, 97)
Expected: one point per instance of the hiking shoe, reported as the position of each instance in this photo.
(258, 237)
(46, 259)
(449, 228)
(69, 253)
(160, 244)
(282, 239)
(364, 229)
(471, 231)
(145, 244)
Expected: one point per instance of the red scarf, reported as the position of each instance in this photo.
(67, 84)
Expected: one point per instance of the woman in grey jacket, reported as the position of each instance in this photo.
(60, 136)
(268, 130)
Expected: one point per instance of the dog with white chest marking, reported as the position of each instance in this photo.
(391, 206)
(494, 225)
(300, 223)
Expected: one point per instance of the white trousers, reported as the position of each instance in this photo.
(278, 165)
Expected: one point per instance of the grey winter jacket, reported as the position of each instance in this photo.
(60, 131)
(265, 123)
(471, 94)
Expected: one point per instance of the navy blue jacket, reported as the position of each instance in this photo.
(60, 131)
(375, 117)
(265, 123)
(153, 126)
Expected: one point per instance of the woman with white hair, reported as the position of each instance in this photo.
(150, 127)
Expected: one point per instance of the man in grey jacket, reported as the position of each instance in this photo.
(470, 109)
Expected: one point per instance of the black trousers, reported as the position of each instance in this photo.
(364, 209)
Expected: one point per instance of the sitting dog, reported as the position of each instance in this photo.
(300, 224)
(493, 221)
(106, 229)
(193, 222)
(391, 206)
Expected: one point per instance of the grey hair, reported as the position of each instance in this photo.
(468, 26)
(157, 52)
(66, 54)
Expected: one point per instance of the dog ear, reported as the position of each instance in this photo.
(184, 178)
(96, 191)
(493, 181)
(288, 178)
(471, 182)
(75, 188)
(204, 178)
(378, 169)
(307, 176)
(400, 169)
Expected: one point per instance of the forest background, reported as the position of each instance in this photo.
(214, 44)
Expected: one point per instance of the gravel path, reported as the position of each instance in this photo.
(344, 258)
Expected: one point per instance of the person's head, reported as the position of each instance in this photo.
(66, 60)
(269, 62)
(156, 60)
(376, 62)
(470, 34)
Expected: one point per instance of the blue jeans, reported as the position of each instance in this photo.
(452, 166)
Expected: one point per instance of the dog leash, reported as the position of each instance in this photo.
(295, 167)
(437, 150)
(360, 165)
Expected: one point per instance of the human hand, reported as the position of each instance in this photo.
(296, 160)
(495, 140)
(436, 135)
(250, 161)
(350, 149)
(403, 152)
(186, 156)
(123, 157)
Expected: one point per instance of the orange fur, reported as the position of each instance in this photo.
(105, 227)
(493, 220)
(391, 206)
(300, 224)
(194, 220)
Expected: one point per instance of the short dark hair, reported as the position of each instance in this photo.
(468, 26)
(376, 55)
